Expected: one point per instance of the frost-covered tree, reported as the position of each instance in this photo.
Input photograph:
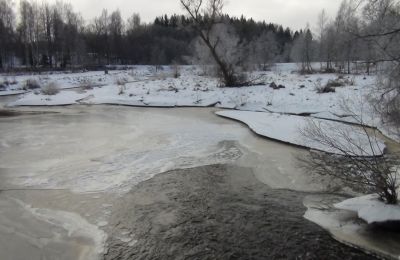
(217, 36)
(134, 22)
(101, 28)
(264, 50)
(382, 32)
(116, 29)
(347, 26)
(27, 30)
(327, 40)
(227, 46)
(303, 50)
(368, 30)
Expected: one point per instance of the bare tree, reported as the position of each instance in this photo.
(371, 27)
(134, 22)
(327, 41)
(101, 27)
(47, 21)
(381, 34)
(372, 173)
(347, 25)
(303, 50)
(7, 20)
(116, 29)
(26, 29)
(205, 16)
(264, 50)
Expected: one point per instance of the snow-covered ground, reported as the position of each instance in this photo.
(150, 88)
(144, 86)
(371, 209)
(344, 225)
(12, 92)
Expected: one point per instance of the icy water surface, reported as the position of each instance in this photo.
(64, 172)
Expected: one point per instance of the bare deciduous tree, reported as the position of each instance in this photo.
(373, 174)
(264, 50)
(134, 22)
(303, 50)
(7, 19)
(206, 19)
(381, 34)
(327, 41)
(369, 29)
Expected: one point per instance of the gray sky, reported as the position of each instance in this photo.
(292, 13)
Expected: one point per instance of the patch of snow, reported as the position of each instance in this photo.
(371, 209)
(287, 128)
(345, 227)
(12, 92)
(62, 98)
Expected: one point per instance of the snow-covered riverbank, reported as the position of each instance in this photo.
(143, 86)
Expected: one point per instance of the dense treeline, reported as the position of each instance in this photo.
(56, 36)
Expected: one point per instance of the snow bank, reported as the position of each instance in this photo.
(61, 99)
(194, 89)
(344, 227)
(371, 209)
(12, 92)
(287, 128)
(147, 87)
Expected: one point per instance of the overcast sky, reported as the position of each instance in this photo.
(292, 13)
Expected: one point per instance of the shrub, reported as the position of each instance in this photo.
(350, 81)
(31, 84)
(329, 71)
(374, 173)
(121, 90)
(335, 83)
(121, 81)
(50, 89)
(86, 84)
(325, 89)
(341, 82)
(240, 100)
(274, 86)
(6, 82)
(176, 71)
(14, 81)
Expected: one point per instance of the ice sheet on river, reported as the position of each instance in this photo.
(288, 129)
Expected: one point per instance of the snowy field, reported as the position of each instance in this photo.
(144, 86)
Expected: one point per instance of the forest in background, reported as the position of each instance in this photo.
(55, 36)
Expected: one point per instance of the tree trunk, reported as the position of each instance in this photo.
(348, 67)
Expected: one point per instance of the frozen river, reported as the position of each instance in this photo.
(64, 171)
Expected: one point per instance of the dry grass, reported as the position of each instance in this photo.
(50, 89)
(31, 84)
(86, 85)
